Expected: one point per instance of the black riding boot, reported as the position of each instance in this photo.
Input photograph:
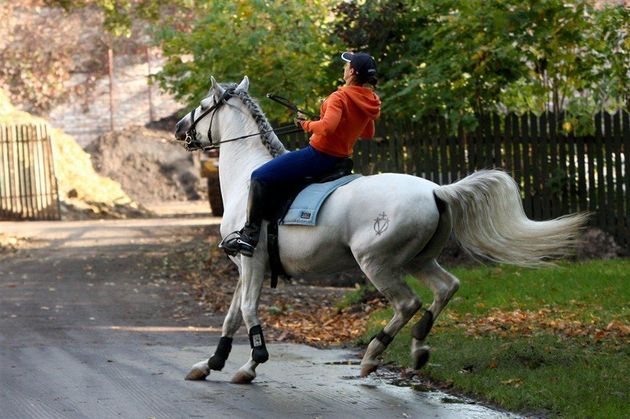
(245, 240)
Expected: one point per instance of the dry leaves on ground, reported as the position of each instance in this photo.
(545, 320)
(292, 312)
(320, 325)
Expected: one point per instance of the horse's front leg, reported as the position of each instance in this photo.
(252, 278)
(231, 324)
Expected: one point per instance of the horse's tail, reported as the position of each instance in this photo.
(489, 221)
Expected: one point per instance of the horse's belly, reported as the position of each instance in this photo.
(316, 250)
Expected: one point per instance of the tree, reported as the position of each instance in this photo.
(36, 64)
(577, 58)
(454, 58)
(279, 44)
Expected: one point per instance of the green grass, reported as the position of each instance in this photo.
(542, 373)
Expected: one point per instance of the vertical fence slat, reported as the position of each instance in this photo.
(563, 142)
(572, 173)
(52, 177)
(616, 141)
(20, 170)
(443, 145)
(496, 142)
(508, 144)
(34, 191)
(540, 177)
(600, 180)
(626, 175)
(524, 133)
(555, 168)
(4, 193)
(546, 175)
(581, 175)
(517, 147)
(462, 150)
(452, 157)
(610, 181)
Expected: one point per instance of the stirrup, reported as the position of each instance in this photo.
(232, 244)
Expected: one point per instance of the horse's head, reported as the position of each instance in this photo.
(195, 129)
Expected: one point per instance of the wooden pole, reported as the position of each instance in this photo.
(110, 62)
(148, 57)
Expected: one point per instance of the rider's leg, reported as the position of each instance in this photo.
(290, 167)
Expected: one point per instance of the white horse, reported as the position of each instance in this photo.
(484, 210)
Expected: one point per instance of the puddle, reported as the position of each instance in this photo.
(454, 400)
(349, 362)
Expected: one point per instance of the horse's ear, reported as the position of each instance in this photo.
(216, 87)
(244, 85)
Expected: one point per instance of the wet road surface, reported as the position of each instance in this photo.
(87, 331)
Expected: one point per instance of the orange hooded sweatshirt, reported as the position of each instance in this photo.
(346, 115)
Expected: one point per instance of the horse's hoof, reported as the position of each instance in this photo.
(242, 377)
(368, 369)
(421, 357)
(199, 371)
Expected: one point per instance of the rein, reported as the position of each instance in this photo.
(191, 143)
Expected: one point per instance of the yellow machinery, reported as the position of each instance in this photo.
(210, 171)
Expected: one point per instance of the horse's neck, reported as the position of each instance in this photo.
(238, 159)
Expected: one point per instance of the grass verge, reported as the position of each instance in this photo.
(548, 342)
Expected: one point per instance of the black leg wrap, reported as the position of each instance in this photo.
(421, 329)
(217, 361)
(384, 338)
(257, 342)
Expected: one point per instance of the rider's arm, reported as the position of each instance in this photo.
(330, 120)
(368, 131)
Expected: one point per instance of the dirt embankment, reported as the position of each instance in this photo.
(149, 165)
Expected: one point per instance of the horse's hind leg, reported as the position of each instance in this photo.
(405, 302)
(443, 285)
(231, 324)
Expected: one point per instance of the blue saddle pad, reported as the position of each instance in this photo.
(305, 207)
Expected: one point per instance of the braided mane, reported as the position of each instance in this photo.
(269, 138)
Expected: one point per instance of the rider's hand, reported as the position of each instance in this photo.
(299, 118)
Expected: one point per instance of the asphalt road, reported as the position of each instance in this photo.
(88, 329)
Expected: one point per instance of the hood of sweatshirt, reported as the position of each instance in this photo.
(364, 98)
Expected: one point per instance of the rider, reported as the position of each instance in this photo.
(346, 115)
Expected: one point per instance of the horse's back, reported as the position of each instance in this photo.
(393, 215)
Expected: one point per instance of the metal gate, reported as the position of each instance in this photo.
(28, 186)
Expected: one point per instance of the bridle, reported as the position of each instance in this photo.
(192, 143)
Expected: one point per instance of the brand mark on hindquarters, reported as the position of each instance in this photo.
(381, 223)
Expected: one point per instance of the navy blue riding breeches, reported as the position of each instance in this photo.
(295, 167)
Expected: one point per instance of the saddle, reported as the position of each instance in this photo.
(282, 205)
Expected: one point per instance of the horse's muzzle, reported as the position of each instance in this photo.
(180, 131)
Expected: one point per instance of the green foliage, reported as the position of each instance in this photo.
(436, 57)
(278, 44)
(453, 58)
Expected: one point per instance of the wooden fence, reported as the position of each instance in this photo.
(28, 186)
(557, 173)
